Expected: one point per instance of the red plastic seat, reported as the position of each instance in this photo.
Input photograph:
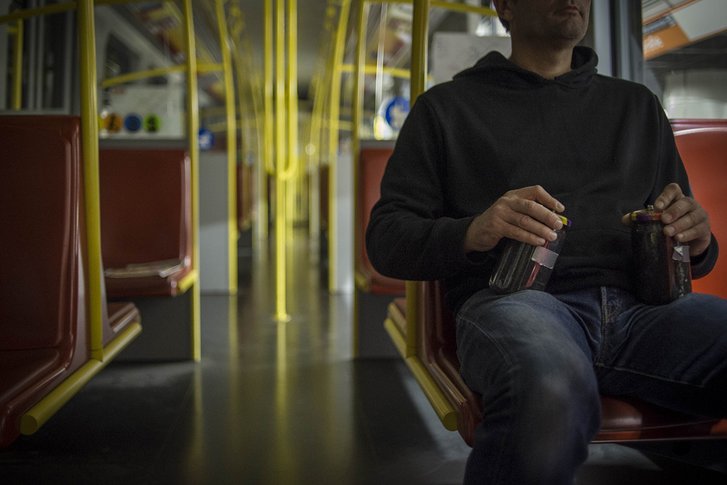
(703, 147)
(42, 309)
(146, 230)
(372, 163)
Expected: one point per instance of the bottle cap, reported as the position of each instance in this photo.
(566, 222)
(646, 215)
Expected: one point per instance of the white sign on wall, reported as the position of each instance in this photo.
(453, 52)
(143, 112)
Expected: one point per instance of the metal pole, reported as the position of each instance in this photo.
(231, 147)
(89, 133)
(193, 138)
(281, 311)
(420, 34)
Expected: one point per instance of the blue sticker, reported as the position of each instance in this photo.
(395, 112)
(206, 139)
(133, 122)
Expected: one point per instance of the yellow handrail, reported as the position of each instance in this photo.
(123, 2)
(269, 88)
(291, 92)
(281, 153)
(17, 99)
(420, 30)
(89, 133)
(193, 139)
(463, 8)
(231, 147)
(356, 112)
(335, 101)
(204, 68)
(139, 75)
(374, 69)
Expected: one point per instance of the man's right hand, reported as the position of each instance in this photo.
(523, 214)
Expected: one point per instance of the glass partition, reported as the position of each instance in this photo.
(685, 53)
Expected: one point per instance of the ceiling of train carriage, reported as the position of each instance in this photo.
(310, 34)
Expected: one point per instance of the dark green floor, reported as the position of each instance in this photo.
(274, 403)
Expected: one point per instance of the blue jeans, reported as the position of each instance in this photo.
(540, 362)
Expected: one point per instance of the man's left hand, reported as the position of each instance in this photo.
(684, 219)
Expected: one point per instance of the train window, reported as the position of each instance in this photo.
(685, 52)
(118, 58)
(457, 38)
(37, 67)
(55, 63)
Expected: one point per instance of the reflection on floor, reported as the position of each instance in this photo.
(273, 403)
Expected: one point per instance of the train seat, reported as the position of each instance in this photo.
(120, 314)
(702, 145)
(372, 163)
(146, 221)
(42, 306)
(622, 420)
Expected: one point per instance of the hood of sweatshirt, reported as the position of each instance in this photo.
(495, 67)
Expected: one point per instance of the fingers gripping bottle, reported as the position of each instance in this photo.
(524, 266)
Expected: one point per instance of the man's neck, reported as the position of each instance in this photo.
(547, 62)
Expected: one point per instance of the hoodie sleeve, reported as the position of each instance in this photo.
(408, 236)
(672, 170)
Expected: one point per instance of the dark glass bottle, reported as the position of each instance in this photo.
(661, 265)
(523, 266)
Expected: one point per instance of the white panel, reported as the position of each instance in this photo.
(454, 51)
(343, 253)
(213, 227)
(696, 94)
(702, 18)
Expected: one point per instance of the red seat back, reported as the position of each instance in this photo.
(372, 164)
(703, 147)
(39, 217)
(145, 206)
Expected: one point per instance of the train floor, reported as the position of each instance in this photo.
(280, 403)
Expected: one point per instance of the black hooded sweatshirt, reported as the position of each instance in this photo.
(601, 146)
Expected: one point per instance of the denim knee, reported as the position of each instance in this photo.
(541, 405)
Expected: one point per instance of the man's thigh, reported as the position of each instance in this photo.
(496, 333)
(674, 355)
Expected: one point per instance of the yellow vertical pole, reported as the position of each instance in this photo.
(17, 98)
(334, 114)
(231, 145)
(291, 94)
(257, 101)
(420, 33)
(314, 145)
(281, 154)
(266, 169)
(89, 141)
(356, 114)
(192, 106)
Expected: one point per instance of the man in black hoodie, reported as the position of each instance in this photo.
(497, 153)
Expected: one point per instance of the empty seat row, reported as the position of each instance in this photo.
(45, 329)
